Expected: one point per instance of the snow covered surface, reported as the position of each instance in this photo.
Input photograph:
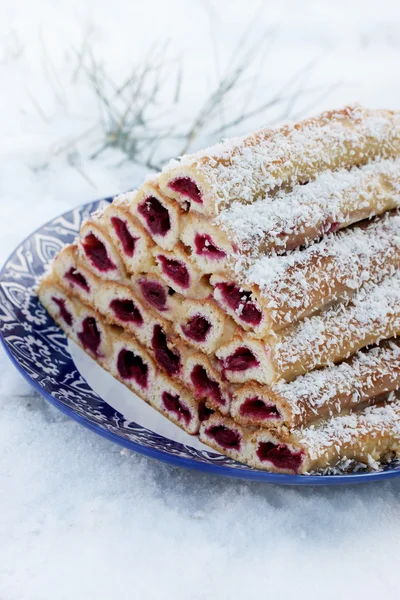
(79, 518)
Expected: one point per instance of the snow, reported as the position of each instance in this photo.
(79, 518)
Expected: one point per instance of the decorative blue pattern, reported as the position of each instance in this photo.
(38, 348)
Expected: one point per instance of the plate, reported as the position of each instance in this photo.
(75, 384)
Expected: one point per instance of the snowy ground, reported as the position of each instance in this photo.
(79, 519)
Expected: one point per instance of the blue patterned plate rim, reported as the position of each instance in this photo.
(17, 315)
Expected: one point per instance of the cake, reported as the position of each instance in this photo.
(250, 293)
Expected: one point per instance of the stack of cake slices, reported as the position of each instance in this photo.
(251, 293)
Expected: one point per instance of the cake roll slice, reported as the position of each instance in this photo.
(211, 248)
(226, 436)
(243, 303)
(131, 363)
(157, 295)
(176, 403)
(179, 271)
(271, 293)
(60, 305)
(128, 236)
(75, 276)
(98, 251)
(202, 324)
(245, 359)
(80, 322)
(362, 439)
(257, 405)
(331, 337)
(159, 215)
(119, 305)
(320, 393)
(244, 169)
(168, 351)
(203, 378)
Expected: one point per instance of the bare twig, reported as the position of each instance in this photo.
(36, 104)
(81, 55)
(140, 115)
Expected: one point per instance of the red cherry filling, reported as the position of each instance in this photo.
(126, 310)
(77, 278)
(169, 361)
(239, 301)
(258, 409)
(90, 337)
(197, 328)
(96, 252)
(204, 386)
(175, 270)
(131, 366)
(155, 215)
(173, 404)
(241, 360)
(186, 187)
(64, 313)
(127, 240)
(154, 293)
(206, 247)
(333, 227)
(279, 455)
(204, 412)
(225, 437)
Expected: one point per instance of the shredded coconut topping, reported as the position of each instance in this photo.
(245, 168)
(373, 315)
(124, 200)
(333, 200)
(349, 380)
(298, 283)
(373, 422)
